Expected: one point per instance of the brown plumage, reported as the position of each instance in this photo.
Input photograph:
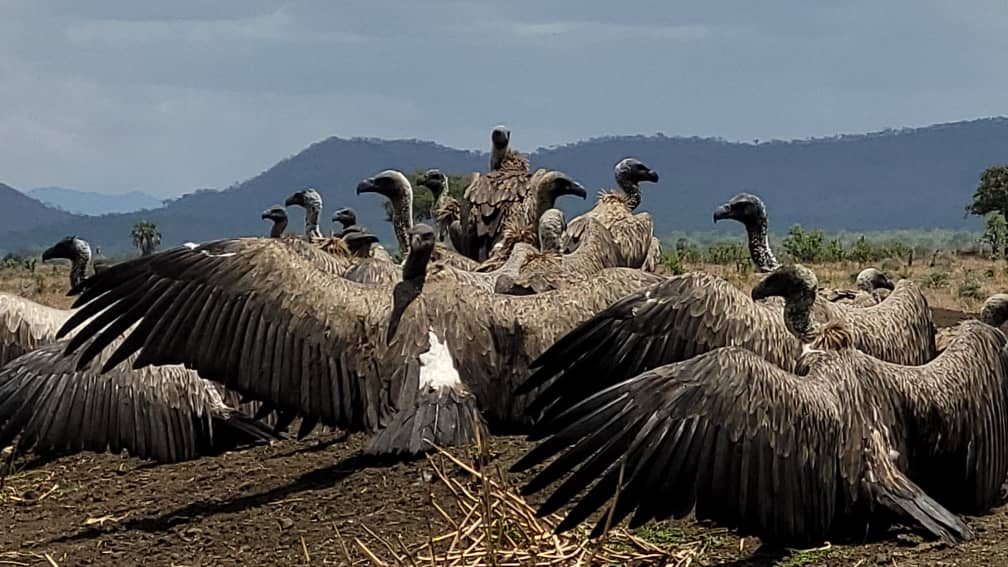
(633, 233)
(994, 312)
(792, 459)
(348, 354)
(693, 313)
(164, 413)
(872, 288)
(508, 194)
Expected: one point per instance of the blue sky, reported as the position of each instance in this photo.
(166, 97)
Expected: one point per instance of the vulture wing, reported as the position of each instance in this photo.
(165, 413)
(737, 440)
(26, 325)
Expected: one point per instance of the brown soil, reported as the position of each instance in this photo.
(298, 503)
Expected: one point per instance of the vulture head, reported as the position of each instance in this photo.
(390, 183)
(871, 279)
(434, 180)
(500, 137)
(745, 208)
(554, 184)
(69, 248)
(422, 239)
(995, 310)
(307, 198)
(359, 242)
(631, 172)
(791, 281)
(551, 228)
(346, 217)
(276, 213)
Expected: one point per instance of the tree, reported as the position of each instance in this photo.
(996, 234)
(992, 193)
(804, 246)
(146, 237)
(423, 200)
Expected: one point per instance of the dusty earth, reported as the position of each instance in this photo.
(300, 503)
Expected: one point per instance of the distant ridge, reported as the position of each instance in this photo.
(896, 178)
(91, 203)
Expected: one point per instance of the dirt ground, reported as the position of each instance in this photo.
(303, 503)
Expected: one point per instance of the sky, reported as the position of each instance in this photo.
(167, 97)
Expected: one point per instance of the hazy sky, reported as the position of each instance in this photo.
(166, 97)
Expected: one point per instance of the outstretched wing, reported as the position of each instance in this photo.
(165, 413)
(255, 314)
(26, 325)
(674, 320)
(726, 434)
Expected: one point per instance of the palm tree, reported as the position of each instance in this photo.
(146, 237)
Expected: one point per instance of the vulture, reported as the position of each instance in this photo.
(508, 193)
(346, 217)
(310, 200)
(164, 413)
(548, 269)
(446, 210)
(395, 187)
(994, 312)
(794, 457)
(77, 250)
(751, 212)
(278, 216)
(634, 233)
(408, 361)
(693, 313)
(873, 286)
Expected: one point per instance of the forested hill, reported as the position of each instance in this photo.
(911, 178)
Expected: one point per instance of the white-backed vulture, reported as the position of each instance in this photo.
(77, 250)
(749, 210)
(311, 201)
(872, 285)
(395, 187)
(549, 270)
(634, 233)
(348, 354)
(445, 210)
(994, 312)
(164, 413)
(507, 195)
(696, 312)
(346, 217)
(278, 216)
(25, 325)
(847, 443)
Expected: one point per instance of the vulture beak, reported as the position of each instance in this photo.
(769, 286)
(49, 254)
(885, 282)
(722, 212)
(574, 188)
(651, 176)
(367, 186)
(295, 199)
(266, 215)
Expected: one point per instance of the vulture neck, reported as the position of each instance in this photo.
(279, 226)
(632, 191)
(798, 315)
(404, 292)
(497, 157)
(402, 221)
(759, 246)
(311, 220)
(79, 264)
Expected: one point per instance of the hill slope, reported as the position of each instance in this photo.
(913, 178)
(91, 203)
(20, 212)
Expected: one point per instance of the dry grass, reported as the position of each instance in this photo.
(47, 285)
(491, 524)
(960, 284)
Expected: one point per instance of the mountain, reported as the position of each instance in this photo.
(19, 212)
(91, 203)
(907, 178)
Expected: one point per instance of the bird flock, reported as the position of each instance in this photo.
(793, 413)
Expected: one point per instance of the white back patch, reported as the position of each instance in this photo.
(437, 369)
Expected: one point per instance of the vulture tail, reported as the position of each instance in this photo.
(443, 417)
(900, 495)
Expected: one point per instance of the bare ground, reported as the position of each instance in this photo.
(303, 503)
